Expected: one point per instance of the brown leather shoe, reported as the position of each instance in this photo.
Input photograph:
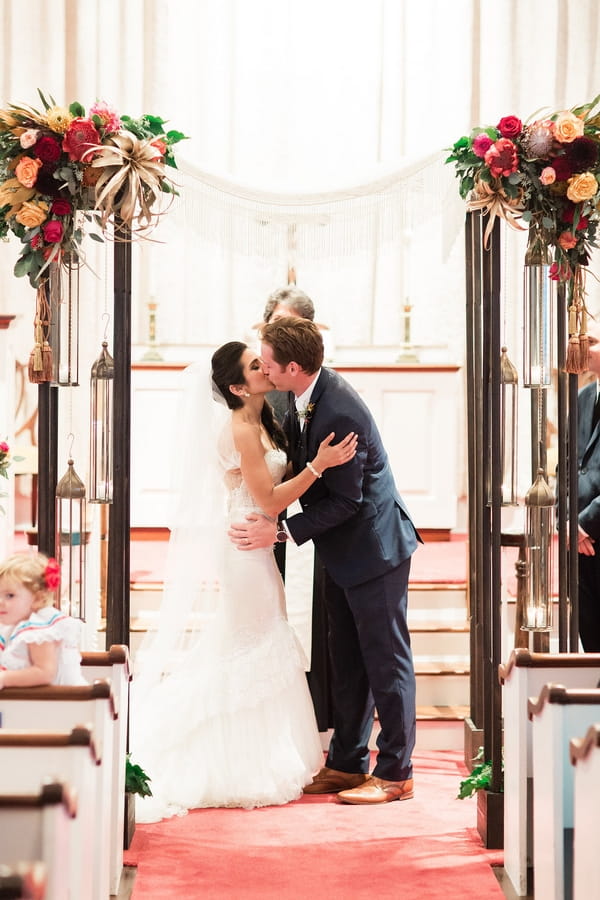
(377, 790)
(330, 781)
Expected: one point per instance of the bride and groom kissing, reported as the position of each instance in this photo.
(234, 714)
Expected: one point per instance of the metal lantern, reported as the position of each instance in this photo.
(509, 381)
(539, 503)
(538, 292)
(64, 320)
(101, 427)
(71, 540)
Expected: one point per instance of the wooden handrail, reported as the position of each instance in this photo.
(52, 793)
(580, 748)
(117, 654)
(558, 693)
(521, 657)
(99, 689)
(79, 736)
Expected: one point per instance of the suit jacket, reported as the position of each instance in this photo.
(354, 513)
(588, 462)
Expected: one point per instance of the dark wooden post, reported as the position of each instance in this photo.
(47, 467)
(118, 576)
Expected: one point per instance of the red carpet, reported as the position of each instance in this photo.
(318, 848)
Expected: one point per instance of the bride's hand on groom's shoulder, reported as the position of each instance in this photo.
(255, 532)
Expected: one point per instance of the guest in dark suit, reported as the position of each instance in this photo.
(365, 538)
(588, 489)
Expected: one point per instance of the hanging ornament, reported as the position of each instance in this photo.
(40, 358)
(538, 291)
(577, 359)
(71, 540)
(64, 318)
(509, 381)
(539, 530)
(101, 427)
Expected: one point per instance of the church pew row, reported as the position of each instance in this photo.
(23, 881)
(115, 665)
(558, 714)
(522, 677)
(29, 757)
(63, 707)
(585, 759)
(36, 828)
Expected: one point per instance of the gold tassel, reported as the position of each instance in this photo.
(40, 359)
(584, 342)
(572, 361)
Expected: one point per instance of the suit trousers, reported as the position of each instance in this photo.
(372, 667)
(589, 602)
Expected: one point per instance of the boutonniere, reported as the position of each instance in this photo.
(305, 414)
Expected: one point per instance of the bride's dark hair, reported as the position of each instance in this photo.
(227, 369)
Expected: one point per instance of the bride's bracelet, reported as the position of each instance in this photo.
(312, 469)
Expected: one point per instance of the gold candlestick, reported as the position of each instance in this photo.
(152, 354)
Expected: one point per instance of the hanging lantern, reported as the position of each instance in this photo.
(101, 428)
(539, 503)
(64, 320)
(538, 291)
(71, 540)
(509, 381)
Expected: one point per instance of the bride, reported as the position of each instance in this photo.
(221, 712)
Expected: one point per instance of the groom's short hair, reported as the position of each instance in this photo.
(295, 340)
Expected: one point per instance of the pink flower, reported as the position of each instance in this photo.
(28, 138)
(53, 231)
(509, 126)
(80, 136)
(52, 574)
(481, 144)
(501, 158)
(160, 146)
(110, 119)
(567, 240)
(548, 175)
(4, 448)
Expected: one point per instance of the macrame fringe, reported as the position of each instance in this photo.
(578, 348)
(40, 359)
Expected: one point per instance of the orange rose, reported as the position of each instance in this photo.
(26, 171)
(567, 240)
(567, 127)
(582, 187)
(32, 214)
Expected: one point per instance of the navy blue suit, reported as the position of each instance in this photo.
(588, 496)
(365, 538)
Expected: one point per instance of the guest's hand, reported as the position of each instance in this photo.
(585, 544)
(257, 531)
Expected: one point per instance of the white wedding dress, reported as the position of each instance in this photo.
(232, 724)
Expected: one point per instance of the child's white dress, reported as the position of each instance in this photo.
(47, 624)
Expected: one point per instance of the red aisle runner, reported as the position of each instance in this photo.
(317, 848)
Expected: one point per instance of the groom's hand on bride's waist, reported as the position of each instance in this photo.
(254, 532)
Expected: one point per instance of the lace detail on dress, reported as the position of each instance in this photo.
(239, 496)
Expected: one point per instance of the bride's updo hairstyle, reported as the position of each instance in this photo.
(227, 369)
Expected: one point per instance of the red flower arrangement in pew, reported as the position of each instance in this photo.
(60, 161)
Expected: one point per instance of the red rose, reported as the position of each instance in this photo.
(501, 158)
(4, 448)
(36, 240)
(510, 126)
(80, 136)
(563, 168)
(47, 149)
(61, 208)
(53, 231)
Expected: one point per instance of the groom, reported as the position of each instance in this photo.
(365, 538)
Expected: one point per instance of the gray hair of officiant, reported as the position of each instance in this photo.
(294, 301)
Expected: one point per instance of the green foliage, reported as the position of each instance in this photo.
(136, 780)
(479, 779)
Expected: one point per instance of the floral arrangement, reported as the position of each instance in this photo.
(5, 461)
(61, 161)
(544, 173)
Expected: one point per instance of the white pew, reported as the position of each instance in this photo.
(26, 881)
(38, 827)
(585, 759)
(62, 707)
(114, 664)
(28, 757)
(523, 676)
(557, 715)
